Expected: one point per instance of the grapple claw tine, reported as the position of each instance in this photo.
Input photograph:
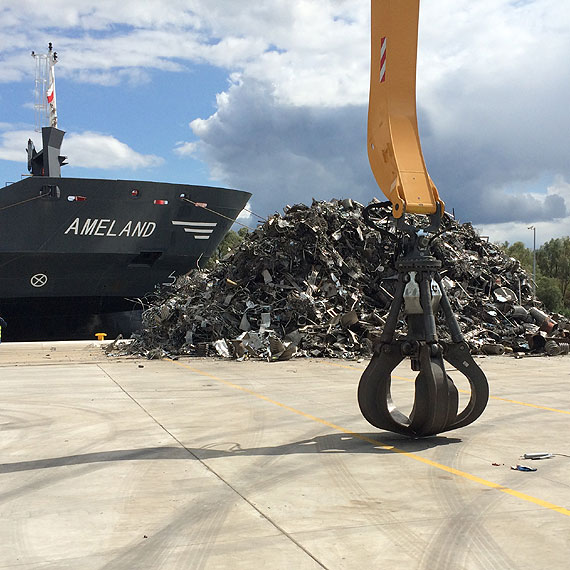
(374, 397)
(458, 355)
(436, 398)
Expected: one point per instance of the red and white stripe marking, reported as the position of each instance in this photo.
(383, 60)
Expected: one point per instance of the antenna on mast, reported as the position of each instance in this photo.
(44, 99)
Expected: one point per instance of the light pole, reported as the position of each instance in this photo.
(533, 228)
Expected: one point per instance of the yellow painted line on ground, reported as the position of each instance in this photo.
(531, 405)
(378, 445)
(468, 392)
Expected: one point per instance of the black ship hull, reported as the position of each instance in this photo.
(74, 251)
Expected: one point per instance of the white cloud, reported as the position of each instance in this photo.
(246, 218)
(545, 230)
(87, 150)
(513, 232)
(492, 107)
(186, 148)
(311, 51)
(13, 143)
(285, 154)
(95, 150)
(560, 187)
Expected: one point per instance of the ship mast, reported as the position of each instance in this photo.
(46, 162)
(45, 102)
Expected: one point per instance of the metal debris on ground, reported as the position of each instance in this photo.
(317, 281)
(522, 468)
(538, 456)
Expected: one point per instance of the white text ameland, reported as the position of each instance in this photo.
(110, 228)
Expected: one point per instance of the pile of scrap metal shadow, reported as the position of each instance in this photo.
(318, 282)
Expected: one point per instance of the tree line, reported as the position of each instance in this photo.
(552, 270)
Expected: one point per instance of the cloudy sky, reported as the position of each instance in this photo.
(271, 97)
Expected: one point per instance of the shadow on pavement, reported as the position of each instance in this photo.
(331, 443)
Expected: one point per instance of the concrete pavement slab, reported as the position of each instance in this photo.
(121, 463)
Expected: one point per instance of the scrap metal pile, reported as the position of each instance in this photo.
(317, 281)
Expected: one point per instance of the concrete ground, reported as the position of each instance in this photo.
(119, 463)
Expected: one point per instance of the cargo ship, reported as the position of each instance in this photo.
(77, 254)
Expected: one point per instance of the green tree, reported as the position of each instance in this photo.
(553, 259)
(519, 251)
(230, 241)
(548, 291)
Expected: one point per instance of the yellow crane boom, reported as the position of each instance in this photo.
(394, 148)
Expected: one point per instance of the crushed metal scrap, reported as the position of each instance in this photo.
(317, 281)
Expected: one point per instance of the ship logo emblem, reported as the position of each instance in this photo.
(200, 230)
(38, 280)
